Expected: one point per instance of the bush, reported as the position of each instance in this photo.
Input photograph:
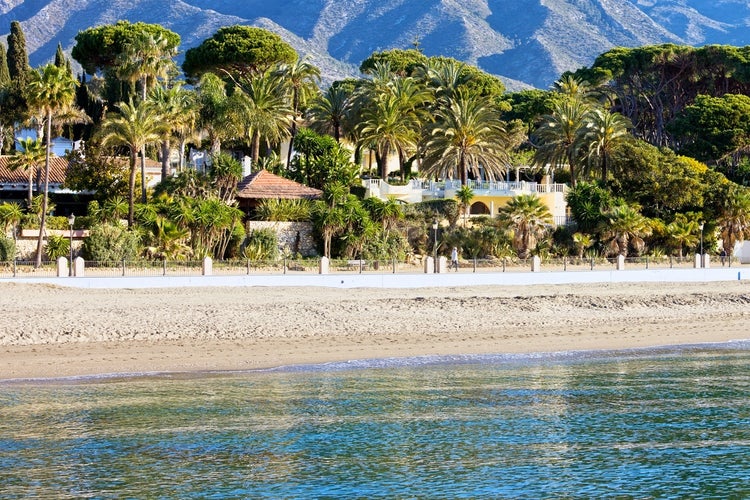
(7, 249)
(111, 243)
(261, 244)
(279, 210)
(57, 246)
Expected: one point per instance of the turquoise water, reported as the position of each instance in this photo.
(671, 423)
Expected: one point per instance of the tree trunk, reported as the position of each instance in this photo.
(42, 224)
(165, 170)
(131, 185)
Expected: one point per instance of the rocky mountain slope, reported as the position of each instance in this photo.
(526, 42)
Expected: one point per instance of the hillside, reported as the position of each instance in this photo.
(526, 42)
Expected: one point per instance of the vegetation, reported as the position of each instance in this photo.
(653, 142)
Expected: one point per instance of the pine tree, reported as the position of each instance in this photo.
(18, 59)
(60, 58)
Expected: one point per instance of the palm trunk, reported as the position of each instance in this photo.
(131, 185)
(40, 241)
(32, 171)
(165, 159)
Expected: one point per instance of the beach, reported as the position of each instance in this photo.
(51, 331)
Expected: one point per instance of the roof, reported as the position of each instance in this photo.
(263, 184)
(57, 171)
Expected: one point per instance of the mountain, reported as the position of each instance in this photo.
(525, 42)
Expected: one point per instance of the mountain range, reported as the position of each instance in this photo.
(528, 43)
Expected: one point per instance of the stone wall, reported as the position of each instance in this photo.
(294, 237)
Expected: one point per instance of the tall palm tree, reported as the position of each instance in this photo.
(529, 218)
(466, 136)
(601, 134)
(146, 58)
(29, 158)
(51, 89)
(215, 111)
(559, 136)
(734, 219)
(385, 128)
(263, 110)
(302, 80)
(330, 111)
(134, 127)
(179, 111)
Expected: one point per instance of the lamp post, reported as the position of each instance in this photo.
(71, 221)
(434, 245)
(701, 226)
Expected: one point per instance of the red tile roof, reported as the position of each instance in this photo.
(57, 170)
(264, 184)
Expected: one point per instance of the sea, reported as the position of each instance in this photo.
(666, 423)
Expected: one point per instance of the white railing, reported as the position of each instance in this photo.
(494, 186)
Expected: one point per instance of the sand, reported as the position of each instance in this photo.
(48, 331)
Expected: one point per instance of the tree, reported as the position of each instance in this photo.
(215, 111)
(529, 218)
(683, 232)
(134, 127)
(51, 89)
(558, 136)
(238, 50)
(625, 227)
(29, 158)
(329, 113)
(601, 134)
(301, 78)
(262, 109)
(466, 135)
(18, 58)
(179, 109)
(734, 218)
(464, 195)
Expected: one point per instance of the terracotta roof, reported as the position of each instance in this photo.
(264, 184)
(57, 171)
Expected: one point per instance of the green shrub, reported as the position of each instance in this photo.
(7, 249)
(279, 210)
(57, 246)
(261, 244)
(111, 243)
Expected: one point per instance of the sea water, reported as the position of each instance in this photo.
(668, 423)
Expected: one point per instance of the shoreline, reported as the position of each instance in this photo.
(51, 332)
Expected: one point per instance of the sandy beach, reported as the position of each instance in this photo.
(49, 331)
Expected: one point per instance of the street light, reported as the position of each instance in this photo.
(701, 226)
(71, 221)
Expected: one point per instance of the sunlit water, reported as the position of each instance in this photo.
(659, 424)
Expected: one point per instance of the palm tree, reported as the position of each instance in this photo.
(559, 136)
(626, 227)
(734, 219)
(145, 59)
(683, 232)
(179, 111)
(10, 215)
(29, 158)
(215, 111)
(467, 136)
(464, 195)
(602, 133)
(262, 109)
(301, 78)
(134, 127)
(51, 89)
(529, 218)
(330, 111)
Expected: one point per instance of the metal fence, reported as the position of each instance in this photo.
(147, 268)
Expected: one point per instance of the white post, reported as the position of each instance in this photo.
(697, 262)
(620, 262)
(442, 264)
(536, 264)
(706, 260)
(429, 265)
(62, 267)
(325, 265)
(79, 267)
(208, 266)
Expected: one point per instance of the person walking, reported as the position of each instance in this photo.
(454, 258)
